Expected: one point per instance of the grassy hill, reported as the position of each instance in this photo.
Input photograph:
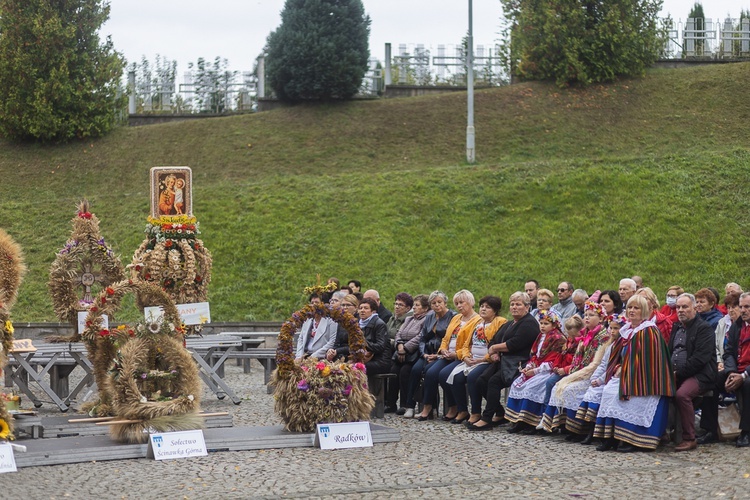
(643, 176)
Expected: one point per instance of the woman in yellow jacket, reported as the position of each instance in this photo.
(459, 329)
(474, 359)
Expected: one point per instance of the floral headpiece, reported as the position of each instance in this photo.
(549, 315)
(320, 289)
(596, 307)
(620, 319)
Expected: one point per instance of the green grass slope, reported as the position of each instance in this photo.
(641, 177)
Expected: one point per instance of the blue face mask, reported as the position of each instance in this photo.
(671, 301)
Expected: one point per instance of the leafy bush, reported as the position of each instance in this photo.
(57, 81)
(584, 41)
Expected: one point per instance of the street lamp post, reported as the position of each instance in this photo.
(470, 150)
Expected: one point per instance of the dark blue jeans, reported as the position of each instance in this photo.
(460, 382)
(438, 372)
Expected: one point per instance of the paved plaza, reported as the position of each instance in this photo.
(434, 459)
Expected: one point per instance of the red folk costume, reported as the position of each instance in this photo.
(565, 360)
(590, 342)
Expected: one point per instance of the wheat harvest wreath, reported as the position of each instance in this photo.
(319, 391)
(145, 374)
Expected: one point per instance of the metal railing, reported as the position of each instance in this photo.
(698, 38)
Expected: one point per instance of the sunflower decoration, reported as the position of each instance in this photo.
(85, 265)
(5, 430)
(318, 391)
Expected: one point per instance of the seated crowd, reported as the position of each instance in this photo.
(601, 367)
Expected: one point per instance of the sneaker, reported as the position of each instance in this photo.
(409, 413)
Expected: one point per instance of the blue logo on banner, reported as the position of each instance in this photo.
(325, 430)
(158, 440)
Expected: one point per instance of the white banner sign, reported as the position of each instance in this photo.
(82, 321)
(345, 435)
(7, 460)
(191, 314)
(184, 444)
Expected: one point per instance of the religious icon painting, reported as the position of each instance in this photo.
(171, 191)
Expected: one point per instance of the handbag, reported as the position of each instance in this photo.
(729, 421)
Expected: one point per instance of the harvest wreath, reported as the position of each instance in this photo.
(12, 269)
(85, 260)
(174, 258)
(317, 391)
(167, 397)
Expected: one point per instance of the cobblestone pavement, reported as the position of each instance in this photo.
(434, 459)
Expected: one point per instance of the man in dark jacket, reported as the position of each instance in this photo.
(735, 377)
(508, 349)
(693, 352)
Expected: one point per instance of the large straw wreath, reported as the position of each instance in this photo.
(173, 257)
(144, 372)
(319, 391)
(12, 270)
(86, 263)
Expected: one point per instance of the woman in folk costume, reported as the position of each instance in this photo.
(567, 394)
(474, 360)
(526, 397)
(587, 411)
(634, 408)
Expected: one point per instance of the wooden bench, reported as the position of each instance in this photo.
(56, 360)
(266, 356)
(210, 352)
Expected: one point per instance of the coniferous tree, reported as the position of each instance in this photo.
(320, 50)
(582, 41)
(57, 81)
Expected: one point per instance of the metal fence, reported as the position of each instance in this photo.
(229, 92)
(699, 38)
(417, 64)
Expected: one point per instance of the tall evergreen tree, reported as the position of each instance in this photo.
(57, 81)
(319, 51)
(582, 41)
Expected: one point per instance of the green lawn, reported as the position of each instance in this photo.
(590, 185)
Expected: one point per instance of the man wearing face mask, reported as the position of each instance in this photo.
(669, 309)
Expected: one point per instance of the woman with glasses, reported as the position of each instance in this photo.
(340, 349)
(401, 311)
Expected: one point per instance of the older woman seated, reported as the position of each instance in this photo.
(544, 300)
(378, 345)
(435, 325)
(526, 397)
(461, 326)
(639, 380)
(317, 335)
(474, 359)
(340, 349)
(406, 354)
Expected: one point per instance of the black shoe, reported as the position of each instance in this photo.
(431, 416)
(588, 439)
(744, 440)
(517, 427)
(574, 438)
(473, 427)
(627, 448)
(607, 444)
(530, 431)
(389, 409)
(708, 438)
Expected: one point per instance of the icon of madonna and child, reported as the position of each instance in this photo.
(171, 191)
